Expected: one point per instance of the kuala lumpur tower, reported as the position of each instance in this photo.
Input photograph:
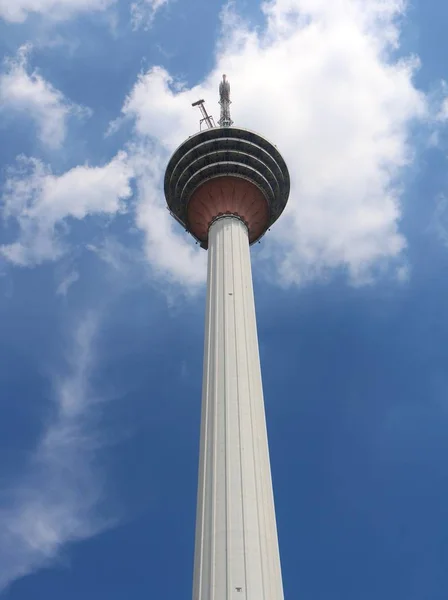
(227, 186)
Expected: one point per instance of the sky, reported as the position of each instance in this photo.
(102, 293)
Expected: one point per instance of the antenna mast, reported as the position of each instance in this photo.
(224, 101)
(208, 119)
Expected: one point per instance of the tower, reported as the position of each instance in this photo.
(227, 186)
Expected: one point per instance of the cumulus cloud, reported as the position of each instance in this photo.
(29, 93)
(322, 81)
(17, 11)
(42, 203)
(171, 254)
(55, 502)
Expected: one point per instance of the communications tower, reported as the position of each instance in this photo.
(226, 186)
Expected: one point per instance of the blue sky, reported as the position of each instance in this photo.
(102, 296)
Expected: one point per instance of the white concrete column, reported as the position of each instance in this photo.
(236, 554)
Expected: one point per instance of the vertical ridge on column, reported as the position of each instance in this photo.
(236, 554)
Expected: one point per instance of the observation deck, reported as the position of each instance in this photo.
(226, 171)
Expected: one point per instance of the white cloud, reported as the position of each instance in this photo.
(29, 93)
(161, 107)
(321, 82)
(443, 112)
(56, 501)
(144, 11)
(439, 220)
(17, 11)
(43, 202)
(66, 283)
(340, 112)
(403, 273)
(171, 254)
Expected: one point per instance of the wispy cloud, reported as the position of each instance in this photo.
(443, 112)
(55, 500)
(122, 260)
(26, 91)
(439, 221)
(17, 11)
(66, 283)
(143, 12)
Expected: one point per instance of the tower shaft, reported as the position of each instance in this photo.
(236, 553)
